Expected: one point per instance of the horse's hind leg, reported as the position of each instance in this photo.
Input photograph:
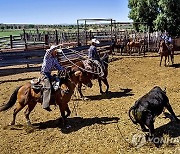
(79, 90)
(18, 108)
(100, 86)
(161, 60)
(105, 81)
(28, 111)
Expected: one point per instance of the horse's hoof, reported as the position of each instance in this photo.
(12, 123)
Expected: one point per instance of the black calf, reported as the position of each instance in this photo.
(148, 107)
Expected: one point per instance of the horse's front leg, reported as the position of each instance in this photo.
(64, 107)
(68, 111)
(80, 92)
(100, 85)
(62, 110)
(168, 60)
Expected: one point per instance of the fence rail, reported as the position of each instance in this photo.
(13, 58)
(40, 40)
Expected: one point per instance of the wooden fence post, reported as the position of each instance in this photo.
(46, 39)
(25, 39)
(38, 34)
(11, 41)
(90, 34)
(57, 41)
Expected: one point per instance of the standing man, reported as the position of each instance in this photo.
(94, 56)
(50, 62)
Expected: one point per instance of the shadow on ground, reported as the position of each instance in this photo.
(175, 65)
(168, 134)
(76, 123)
(122, 93)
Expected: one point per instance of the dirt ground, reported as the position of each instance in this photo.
(101, 124)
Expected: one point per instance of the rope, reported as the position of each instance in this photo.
(84, 55)
(75, 103)
(76, 52)
(79, 66)
(130, 144)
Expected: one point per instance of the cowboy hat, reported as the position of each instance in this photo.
(59, 50)
(53, 47)
(95, 41)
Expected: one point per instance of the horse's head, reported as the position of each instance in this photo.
(163, 45)
(78, 76)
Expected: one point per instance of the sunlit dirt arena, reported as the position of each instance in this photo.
(101, 124)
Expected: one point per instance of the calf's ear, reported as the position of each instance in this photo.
(164, 89)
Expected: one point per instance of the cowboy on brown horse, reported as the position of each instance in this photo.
(94, 74)
(50, 62)
(94, 57)
(166, 48)
(27, 95)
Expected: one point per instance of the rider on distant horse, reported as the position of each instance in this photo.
(50, 62)
(94, 56)
(168, 40)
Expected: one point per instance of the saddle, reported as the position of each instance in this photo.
(92, 65)
(95, 67)
(37, 84)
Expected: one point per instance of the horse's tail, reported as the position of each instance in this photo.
(132, 109)
(11, 101)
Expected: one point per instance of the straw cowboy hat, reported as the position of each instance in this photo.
(95, 41)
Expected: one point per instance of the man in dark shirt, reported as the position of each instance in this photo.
(94, 56)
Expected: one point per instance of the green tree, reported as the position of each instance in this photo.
(143, 11)
(159, 15)
(169, 17)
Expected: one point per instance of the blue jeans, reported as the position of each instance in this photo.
(47, 89)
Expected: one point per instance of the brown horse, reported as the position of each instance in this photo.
(93, 76)
(26, 96)
(164, 51)
(135, 45)
(118, 44)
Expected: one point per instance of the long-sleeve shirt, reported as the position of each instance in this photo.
(50, 62)
(92, 53)
(167, 39)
